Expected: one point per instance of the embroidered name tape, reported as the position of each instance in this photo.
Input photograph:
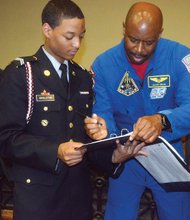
(159, 81)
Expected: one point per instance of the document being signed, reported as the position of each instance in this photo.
(166, 166)
(164, 163)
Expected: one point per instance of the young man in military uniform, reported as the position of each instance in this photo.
(40, 127)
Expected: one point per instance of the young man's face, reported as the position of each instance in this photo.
(64, 40)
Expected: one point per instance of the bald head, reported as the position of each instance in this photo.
(142, 30)
(143, 14)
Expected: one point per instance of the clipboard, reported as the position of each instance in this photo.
(166, 166)
(163, 163)
(106, 143)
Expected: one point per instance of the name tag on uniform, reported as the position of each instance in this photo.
(159, 81)
(45, 97)
(84, 92)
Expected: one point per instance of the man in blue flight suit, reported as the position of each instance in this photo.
(142, 85)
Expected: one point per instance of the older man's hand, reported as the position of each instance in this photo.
(128, 150)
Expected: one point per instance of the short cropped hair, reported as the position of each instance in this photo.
(57, 10)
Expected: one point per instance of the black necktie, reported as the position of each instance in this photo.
(63, 67)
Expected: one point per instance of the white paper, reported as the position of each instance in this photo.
(163, 165)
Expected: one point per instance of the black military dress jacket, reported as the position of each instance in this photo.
(44, 186)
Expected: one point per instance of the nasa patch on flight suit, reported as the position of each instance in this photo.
(157, 93)
(45, 97)
(127, 85)
(159, 81)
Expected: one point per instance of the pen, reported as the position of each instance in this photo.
(86, 116)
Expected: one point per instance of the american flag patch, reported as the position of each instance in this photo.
(186, 62)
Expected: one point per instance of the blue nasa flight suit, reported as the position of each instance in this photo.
(121, 98)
